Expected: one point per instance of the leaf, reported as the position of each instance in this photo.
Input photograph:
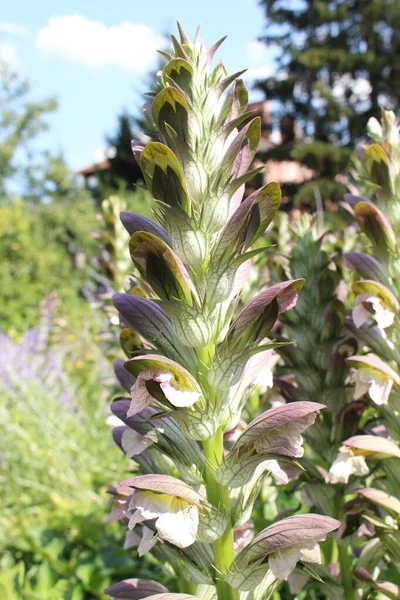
(168, 434)
(276, 417)
(170, 107)
(261, 206)
(249, 324)
(164, 175)
(192, 328)
(163, 484)
(130, 342)
(198, 424)
(189, 243)
(180, 72)
(237, 470)
(161, 267)
(227, 366)
(125, 379)
(285, 533)
(212, 49)
(381, 498)
(150, 321)
(250, 135)
(170, 596)
(247, 578)
(134, 223)
(371, 336)
(375, 225)
(377, 163)
(367, 266)
(389, 590)
(222, 85)
(241, 151)
(134, 589)
(235, 103)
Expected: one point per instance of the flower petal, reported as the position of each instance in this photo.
(360, 314)
(279, 475)
(150, 505)
(133, 443)
(311, 552)
(379, 391)
(178, 385)
(179, 528)
(141, 397)
(147, 542)
(283, 562)
(162, 484)
(345, 465)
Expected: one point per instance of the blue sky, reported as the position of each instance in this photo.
(94, 56)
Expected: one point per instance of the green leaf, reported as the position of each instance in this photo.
(180, 72)
(164, 175)
(376, 226)
(170, 107)
(192, 328)
(189, 242)
(161, 267)
(129, 341)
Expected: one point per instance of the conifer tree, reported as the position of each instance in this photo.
(336, 66)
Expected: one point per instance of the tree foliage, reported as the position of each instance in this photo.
(21, 120)
(336, 65)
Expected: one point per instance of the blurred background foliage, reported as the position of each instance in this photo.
(58, 244)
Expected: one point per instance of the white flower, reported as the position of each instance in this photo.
(346, 464)
(113, 421)
(144, 541)
(141, 397)
(283, 562)
(177, 519)
(362, 311)
(377, 386)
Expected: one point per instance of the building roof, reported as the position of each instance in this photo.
(95, 168)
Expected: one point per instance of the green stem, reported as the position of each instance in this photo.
(254, 403)
(185, 586)
(346, 572)
(218, 495)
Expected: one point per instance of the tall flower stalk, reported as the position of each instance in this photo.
(374, 322)
(194, 359)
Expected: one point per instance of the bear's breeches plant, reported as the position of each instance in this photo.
(194, 355)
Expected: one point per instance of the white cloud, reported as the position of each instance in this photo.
(12, 28)
(257, 52)
(260, 60)
(129, 46)
(8, 54)
(258, 72)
